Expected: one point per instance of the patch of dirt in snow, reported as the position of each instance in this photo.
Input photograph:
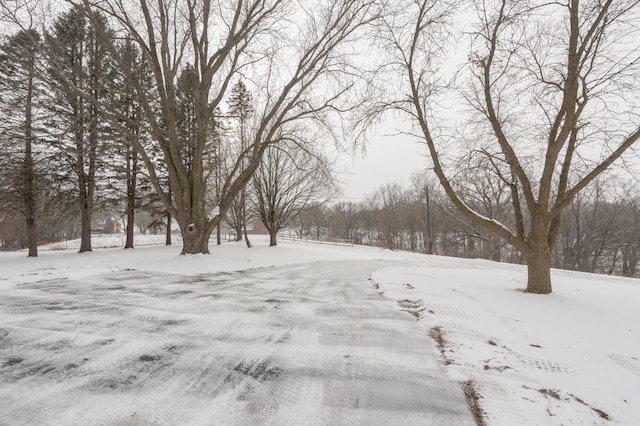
(558, 396)
(473, 400)
(413, 307)
(260, 370)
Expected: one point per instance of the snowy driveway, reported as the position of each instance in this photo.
(306, 344)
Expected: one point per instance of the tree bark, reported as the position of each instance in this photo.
(272, 238)
(129, 241)
(85, 212)
(246, 237)
(87, 187)
(244, 218)
(539, 270)
(132, 164)
(85, 223)
(168, 239)
(238, 225)
(130, 224)
(29, 195)
(195, 241)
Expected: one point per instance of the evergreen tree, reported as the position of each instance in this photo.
(128, 169)
(216, 154)
(19, 58)
(185, 114)
(241, 110)
(79, 69)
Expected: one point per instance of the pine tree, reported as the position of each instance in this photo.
(185, 114)
(18, 62)
(79, 68)
(216, 159)
(129, 131)
(241, 110)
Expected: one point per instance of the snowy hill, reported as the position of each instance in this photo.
(572, 357)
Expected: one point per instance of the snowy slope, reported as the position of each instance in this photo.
(572, 357)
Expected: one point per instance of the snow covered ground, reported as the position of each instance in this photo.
(91, 339)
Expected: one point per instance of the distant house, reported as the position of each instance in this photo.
(111, 226)
(258, 228)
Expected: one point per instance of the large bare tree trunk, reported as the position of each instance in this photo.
(539, 270)
(195, 242)
(272, 238)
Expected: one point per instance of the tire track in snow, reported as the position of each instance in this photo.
(310, 344)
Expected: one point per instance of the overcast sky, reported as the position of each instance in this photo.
(389, 158)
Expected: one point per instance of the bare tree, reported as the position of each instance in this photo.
(589, 238)
(385, 205)
(549, 84)
(311, 222)
(286, 182)
(345, 220)
(307, 78)
(631, 238)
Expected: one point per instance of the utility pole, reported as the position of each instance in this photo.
(429, 234)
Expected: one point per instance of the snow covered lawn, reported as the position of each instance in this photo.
(572, 357)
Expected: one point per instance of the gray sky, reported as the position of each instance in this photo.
(389, 158)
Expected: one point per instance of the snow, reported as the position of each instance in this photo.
(568, 358)
(581, 343)
(62, 261)
(214, 212)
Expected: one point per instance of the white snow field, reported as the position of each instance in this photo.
(307, 334)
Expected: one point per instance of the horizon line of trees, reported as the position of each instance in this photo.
(600, 231)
